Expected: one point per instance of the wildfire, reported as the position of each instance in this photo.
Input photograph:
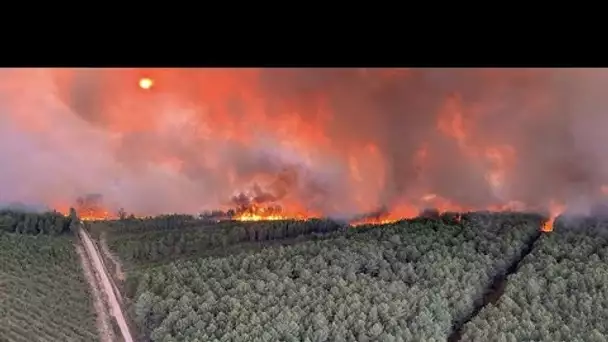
(88, 214)
(373, 220)
(554, 209)
(94, 215)
(385, 216)
(360, 139)
(548, 225)
(258, 217)
(268, 213)
(88, 208)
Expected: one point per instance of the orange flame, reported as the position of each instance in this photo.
(95, 215)
(227, 103)
(258, 217)
(373, 221)
(88, 208)
(260, 213)
(87, 214)
(555, 210)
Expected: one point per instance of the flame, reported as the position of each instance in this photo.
(555, 210)
(87, 214)
(260, 217)
(379, 220)
(88, 208)
(404, 139)
(95, 215)
(269, 213)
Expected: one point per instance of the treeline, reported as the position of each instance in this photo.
(410, 281)
(52, 223)
(560, 293)
(129, 224)
(141, 241)
(151, 245)
(135, 225)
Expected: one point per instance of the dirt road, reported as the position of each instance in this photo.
(105, 285)
(104, 327)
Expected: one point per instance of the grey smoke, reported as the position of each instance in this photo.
(67, 133)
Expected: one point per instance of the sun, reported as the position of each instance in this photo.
(146, 83)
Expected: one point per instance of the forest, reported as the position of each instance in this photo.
(144, 241)
(21, 222)
(476, 276)
(43, 292)
(408, 281)
(560, 292)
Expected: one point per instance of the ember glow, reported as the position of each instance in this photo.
(316, 142)
(88, 214)
(88, 208)
(255, 210)
(555, 209)
(95, 216)
(264, 217)
(374, 220)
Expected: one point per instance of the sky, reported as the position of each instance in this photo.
(331, 142)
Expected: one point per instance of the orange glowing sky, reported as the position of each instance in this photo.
(316, 141)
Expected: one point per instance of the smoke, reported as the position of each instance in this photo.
(325, 141)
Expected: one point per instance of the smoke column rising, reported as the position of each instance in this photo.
(323, 141)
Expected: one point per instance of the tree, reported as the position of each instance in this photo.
(354, 285)
(74, 221)
(122, 214)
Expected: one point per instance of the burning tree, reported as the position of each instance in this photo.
(261, 205)
(90, 207)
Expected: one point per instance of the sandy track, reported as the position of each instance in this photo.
(105, 285)
(103, 321)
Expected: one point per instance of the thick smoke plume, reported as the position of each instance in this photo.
(335, 142)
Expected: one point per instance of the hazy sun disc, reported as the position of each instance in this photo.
(146, 83)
